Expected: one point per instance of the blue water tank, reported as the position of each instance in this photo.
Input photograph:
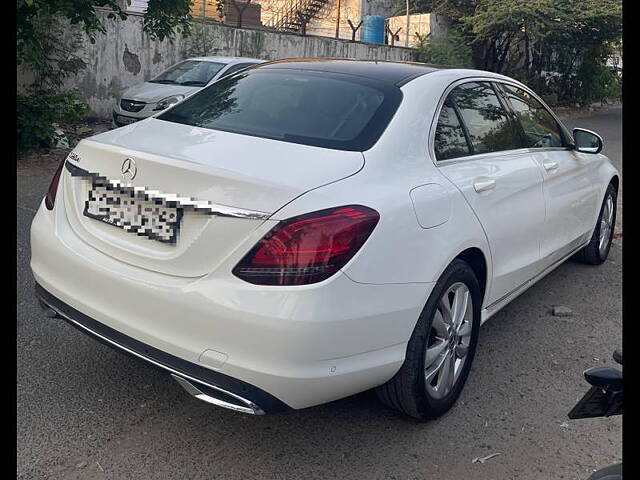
(372, 29)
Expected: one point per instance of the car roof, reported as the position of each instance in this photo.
(227, 59)
(397, 73)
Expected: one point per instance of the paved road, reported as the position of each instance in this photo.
(85, 411)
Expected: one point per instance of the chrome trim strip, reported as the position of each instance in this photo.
(197, 393)
(251, 408)
(180, 202)
(506, 299)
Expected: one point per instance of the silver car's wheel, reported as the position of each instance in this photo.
(449, 340)
(606, 225)
(597, 250)
(441, 348)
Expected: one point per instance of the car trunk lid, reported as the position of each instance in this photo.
(221, 171)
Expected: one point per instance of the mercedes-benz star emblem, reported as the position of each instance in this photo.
(129, 169)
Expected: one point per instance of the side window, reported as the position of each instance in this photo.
(235, 68)
(540, 128)
(485, 118)
(450, 141)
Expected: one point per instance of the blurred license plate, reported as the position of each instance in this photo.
(125, 120)
(133, 213)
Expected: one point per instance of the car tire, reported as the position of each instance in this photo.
(595, 252)
(416, 388)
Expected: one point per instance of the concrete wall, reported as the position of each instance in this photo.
(386, 8)
(325, 26)
(418, 23)
(324, 22)
(125, 55)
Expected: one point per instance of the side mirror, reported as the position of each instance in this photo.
(587, 141)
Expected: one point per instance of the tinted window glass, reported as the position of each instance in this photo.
(190, 72)
(450, 141)
(540, 128)
(485, 118)
(236, 68)
(322, 109)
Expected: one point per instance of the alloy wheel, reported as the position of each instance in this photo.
(448, 341)
(606, 226)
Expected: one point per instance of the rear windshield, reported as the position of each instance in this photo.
(194, 73)
(330, 110)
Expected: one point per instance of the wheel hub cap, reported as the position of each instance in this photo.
(449, 340)
(606, 226)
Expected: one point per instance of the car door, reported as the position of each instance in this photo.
(569, 189)
(477, 148)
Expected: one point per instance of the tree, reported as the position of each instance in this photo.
(49, 36)
(162, 19)
(526, 38)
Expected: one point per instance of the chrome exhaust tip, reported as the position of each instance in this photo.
(206, 390)
(214, 397)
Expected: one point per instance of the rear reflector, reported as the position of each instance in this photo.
(50, 199)
(309, 248)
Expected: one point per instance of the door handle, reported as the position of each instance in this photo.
(550, 166)
(484, 184)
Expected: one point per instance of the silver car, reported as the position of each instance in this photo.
(177, 82)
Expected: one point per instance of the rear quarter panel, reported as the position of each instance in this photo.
(401, 249)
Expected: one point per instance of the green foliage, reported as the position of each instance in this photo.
(37, 113)
(49, 35)
(162, 19)
(42, 23)
(596, 83)
(559, 46)
(220, 7)
(79, 12)
(52, 55)
(200, 42)
(453, 53)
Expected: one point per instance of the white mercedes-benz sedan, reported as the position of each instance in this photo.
(308, 229)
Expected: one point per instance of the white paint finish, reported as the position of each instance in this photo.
(179, 159)
(228, 168)
(571, 197)
(151, 93)
(313, 343)
(213, 359)
(283, 340)
(512, 213)
(432, 204)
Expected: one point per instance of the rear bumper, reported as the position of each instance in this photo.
(201, 382)
(301, 346)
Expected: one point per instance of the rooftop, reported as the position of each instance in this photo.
(396, 73)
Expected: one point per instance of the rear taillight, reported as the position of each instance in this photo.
(309, 248)
(50, 199)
